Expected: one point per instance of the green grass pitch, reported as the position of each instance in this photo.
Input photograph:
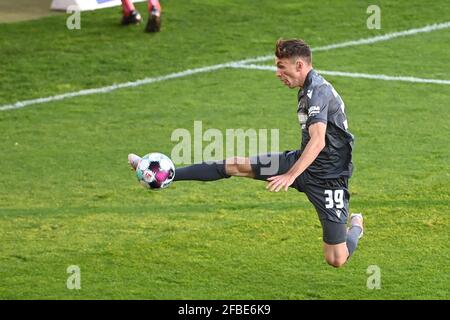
(68, 197)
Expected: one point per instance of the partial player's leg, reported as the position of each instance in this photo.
(210, 171)
(216, 170)
(331, 200)
(338, 254)
(207, 171)
(334, 242)
(130, 14)
(260, 167)
(154, 16)
(355, 232)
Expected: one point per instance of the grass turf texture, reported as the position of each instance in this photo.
(68, 197)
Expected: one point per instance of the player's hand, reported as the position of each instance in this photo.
(281, 181)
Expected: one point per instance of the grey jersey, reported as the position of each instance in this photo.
(319, 102)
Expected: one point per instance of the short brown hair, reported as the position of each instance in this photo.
(293, 48)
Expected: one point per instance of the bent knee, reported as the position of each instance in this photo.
(337, 263)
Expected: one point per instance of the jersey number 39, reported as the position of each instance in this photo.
(333, 197)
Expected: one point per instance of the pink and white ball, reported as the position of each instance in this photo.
(155, 171)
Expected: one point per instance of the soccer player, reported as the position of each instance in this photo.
(132, 16)
(320, 168)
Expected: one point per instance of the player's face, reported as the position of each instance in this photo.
(287, 72)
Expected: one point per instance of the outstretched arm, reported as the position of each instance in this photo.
(313, 147)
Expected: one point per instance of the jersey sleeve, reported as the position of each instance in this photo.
(317, 105)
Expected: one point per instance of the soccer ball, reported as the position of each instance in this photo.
(155, 171)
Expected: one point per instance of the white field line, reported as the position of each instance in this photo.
(188, 72)
(352, 74)
(387, 36)
(110, 88)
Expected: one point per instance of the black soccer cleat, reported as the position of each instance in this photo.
(133, 18)
(154, 21)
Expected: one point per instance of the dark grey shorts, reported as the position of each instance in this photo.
(330, 197)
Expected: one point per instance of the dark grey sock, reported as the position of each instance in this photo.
(352, 238)
(202, 172)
